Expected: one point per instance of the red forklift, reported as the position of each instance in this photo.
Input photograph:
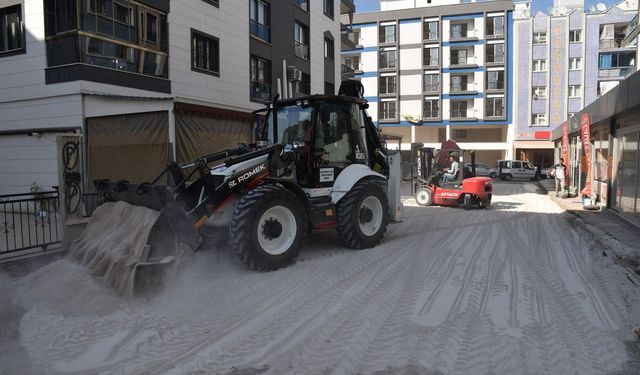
(429, 185)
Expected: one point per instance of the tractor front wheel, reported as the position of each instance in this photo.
(267, 228)
(362, 215)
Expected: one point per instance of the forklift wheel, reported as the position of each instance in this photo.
(424, 197)
(468, 201)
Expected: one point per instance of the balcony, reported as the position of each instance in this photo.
(495, 32)
(347, 6)
(614, 43)
(431, 88)
(457, 35)
(463, 62)
(631, 32)
(260, 91)
(495, 58)
(301, 50)
(620, 72)
(494, 113)
(350, 39)
(433, 114)
(260, 31)
(463, 88)
(463, 115)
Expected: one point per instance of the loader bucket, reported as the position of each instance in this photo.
(137, 238)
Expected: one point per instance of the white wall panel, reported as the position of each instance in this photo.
(369, 36)
(411, 33)
(411, 58)
(411, 84)
(369, 61)
(410, 107)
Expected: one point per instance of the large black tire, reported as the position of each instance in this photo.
(363, 215)
(492, 175)
(424, 197)
(267, 228)
(508, 177)
(468, 201)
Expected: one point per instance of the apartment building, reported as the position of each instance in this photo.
(437, 70)
(143, 82)
(566, 59)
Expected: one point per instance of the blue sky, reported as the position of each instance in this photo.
(373, 5)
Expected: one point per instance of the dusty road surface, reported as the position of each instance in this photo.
(515, 289)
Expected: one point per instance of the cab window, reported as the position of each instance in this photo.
(517, 164)
(528, 166)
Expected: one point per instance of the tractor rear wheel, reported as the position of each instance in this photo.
(362, 215)
(424, 197)
(267, 228)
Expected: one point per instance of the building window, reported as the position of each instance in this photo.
(328, 49)
(539, 65)
(459, 109)
(388, 110)
(540, 38)
(388, 85)
(539, 119)
(301, 35)
(459, 83)
(495, 53)
(352, 63)
(388, 59)
(495, 26)
(329, 88)
(260, 79)
(260, 20)
(11, 30)
(431, 30)
(539, 92)
(458, 31)
(431, 56)
(328, 8)
(575, 36)
(495, 80)
(494, 107)
(303, 4)
(431, 109)
(431, 83)
(460, 57)
(575, 91)
(205, 53)
(215, 3)
(575, 63)
(387, 34)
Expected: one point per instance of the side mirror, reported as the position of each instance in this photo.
(298, 144)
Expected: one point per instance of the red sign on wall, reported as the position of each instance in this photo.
(565, 149)
(585, 133)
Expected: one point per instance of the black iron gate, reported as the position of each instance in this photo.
(29, 223)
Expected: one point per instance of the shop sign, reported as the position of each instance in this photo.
(565, 148)
(585, 133)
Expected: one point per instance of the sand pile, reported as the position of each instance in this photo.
(114, 241)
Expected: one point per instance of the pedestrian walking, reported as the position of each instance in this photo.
(560, 171)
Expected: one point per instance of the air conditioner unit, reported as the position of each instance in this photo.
(294, 74)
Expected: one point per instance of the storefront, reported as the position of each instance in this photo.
(611, 164)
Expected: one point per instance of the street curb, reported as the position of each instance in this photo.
(596, 234)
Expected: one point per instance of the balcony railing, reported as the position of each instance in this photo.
(463, 60)
(302, 50)
(463, 34)
(463, 87)
(463, 114)
(428, 88)
(495, 31)
(495, 58)
(260, 91)
(498, 112)
(495, 85)
(430, 114)
(611, 43)
(620, 72)
(261, 31)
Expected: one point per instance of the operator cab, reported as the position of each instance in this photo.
(327, 134)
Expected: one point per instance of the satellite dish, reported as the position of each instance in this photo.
(601, 7)
(563, 10)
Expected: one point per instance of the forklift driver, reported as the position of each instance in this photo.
(451, 172)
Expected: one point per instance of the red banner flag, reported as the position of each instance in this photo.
(585, 133)
(565, 150)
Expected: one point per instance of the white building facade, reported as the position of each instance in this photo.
(145, 82)
(441, 70)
